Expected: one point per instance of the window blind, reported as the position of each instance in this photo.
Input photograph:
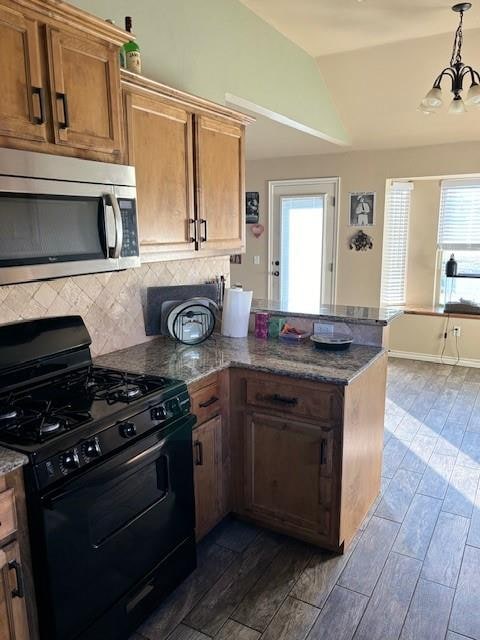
(459, 223)
(395, 243)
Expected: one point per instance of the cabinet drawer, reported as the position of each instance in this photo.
(8, 517)
(206, 403)
(317, 404)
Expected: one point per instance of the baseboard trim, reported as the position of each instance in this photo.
(428, 357)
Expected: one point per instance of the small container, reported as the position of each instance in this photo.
(295, 338)
(275, 325)
(261, 325)
(451, 267)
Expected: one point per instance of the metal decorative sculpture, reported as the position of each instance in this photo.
(361, 242)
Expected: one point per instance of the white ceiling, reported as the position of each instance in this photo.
(377, 91)
(267, 138)
(322, 27)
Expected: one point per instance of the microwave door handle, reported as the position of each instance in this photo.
(116, 250)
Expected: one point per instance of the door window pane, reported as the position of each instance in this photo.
(301, 242)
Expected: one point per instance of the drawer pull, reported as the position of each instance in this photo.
(14, 565)
(66, 118)
(40, 92)
(323, 451)
(208, 403)
(198, 453)
(275, 397)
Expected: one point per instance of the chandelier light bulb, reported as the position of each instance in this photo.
(433, 99)
(427, 111)
(473, 96)
(457, 106)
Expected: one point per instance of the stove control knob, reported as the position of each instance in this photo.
(91, 449)
(128, 430)
(69, 460)
(159, 413)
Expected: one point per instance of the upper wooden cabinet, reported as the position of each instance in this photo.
(220, 166)
(190, 167)
(85, 92)
(159, 140)
(61, 81)
(22, 107)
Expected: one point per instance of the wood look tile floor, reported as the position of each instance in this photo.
(411, 573)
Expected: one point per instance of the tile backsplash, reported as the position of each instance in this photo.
(111, 304)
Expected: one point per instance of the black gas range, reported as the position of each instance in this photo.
(109, 485)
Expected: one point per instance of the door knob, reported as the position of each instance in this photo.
(277, 263)
(276, 273)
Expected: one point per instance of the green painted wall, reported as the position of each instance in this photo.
(214, 47)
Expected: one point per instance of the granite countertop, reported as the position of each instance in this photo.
(11, 460)
(165, 357)
(359, 315)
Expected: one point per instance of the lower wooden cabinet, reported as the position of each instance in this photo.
(13, 614)
(208, 475)
(288, 473)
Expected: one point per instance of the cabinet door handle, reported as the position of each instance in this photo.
(208, 403)
(323, 451)
(14, 565)
(276, 397)
(66, 118)
(204, 223)
(192, 238)
(198, 453)
(40, 92)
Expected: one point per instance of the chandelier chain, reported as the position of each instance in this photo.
(457, 44)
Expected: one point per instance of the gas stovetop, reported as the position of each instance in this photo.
(37, 414)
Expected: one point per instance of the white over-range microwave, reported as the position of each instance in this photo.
(64, 216)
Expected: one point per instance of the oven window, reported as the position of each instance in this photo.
(124, 500)
(42, 229)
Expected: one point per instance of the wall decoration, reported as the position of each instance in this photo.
(257, 230)
(361, 241)
(252, 201)
(236, 259)
(362, 208)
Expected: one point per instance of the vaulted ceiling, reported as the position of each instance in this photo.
(378, 59)
(323, 27)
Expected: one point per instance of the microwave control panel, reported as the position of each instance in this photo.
(130, 230)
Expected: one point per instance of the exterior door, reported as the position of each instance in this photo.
(302, 243)
(161, 148)
(22, 104)
(220, 187)
(208, 474)
(274, 450)
(85, 80)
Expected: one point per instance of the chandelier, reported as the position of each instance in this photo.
(457, 72)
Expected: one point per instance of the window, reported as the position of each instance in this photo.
(395, 243)
(459, 233)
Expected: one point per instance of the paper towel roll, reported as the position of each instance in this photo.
(236, 313)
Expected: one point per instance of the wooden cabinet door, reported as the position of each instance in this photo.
(22, 102)
(220, 175)
(13, 614)
(208, 474)
(85, 85)
(288, 475)
(160, 146)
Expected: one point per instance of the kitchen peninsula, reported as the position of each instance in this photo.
(289, 437)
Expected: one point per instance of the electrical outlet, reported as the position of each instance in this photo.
(457, 331)
(256, 259)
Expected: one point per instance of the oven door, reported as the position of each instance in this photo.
(53, 228)
(106, 530)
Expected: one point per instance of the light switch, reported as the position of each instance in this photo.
(256, 259)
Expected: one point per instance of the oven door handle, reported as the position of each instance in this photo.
(49, 501)
(117, 248)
